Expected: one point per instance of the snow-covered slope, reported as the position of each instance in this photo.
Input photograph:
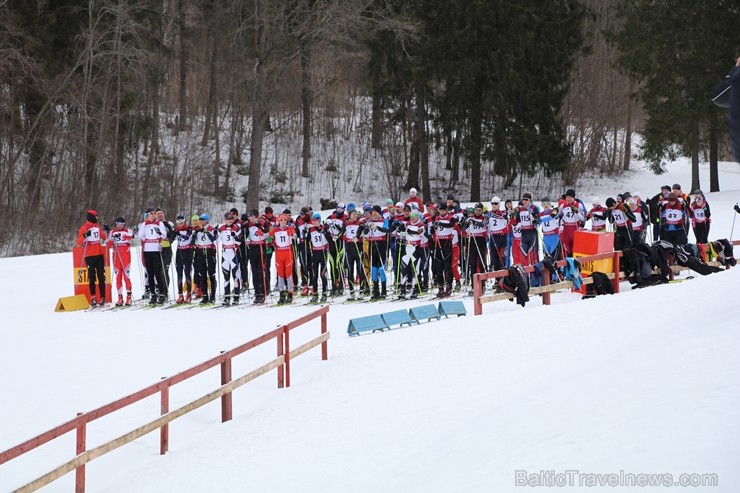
(646, 381)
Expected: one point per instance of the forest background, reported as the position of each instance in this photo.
(198, 105)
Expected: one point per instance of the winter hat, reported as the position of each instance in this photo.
(159, 209)
(665, 187)
(478, 206)
(204, 217)
(351, 207)
(526, 195)
(286, 211)
(268, 210)
(377, 209)
(626, 195)
(442, 206)
(340, 206)
(676, 186)
(228, 216)
(194, 218)
(495, 200)
(304, 210)
(672, 196)
(389, 202)
(596, 201)
(400, 204)
(367, 208)
(92, 216)
(180, 218)
(450, 197)
(610, 202)
(282, 217)
(254, 213)
(545, 199)
(245, 217)
(413, 191)
(415, 213)
(234, 211)
(120, 220)
(316, 216)
(570, 193)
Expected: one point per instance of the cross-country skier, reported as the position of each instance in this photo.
(120, 243)
(527, 216)
(92, 237)
(376, 229)
(229, 236)
(205, 259)
(183, 259)
(282, 237)
(151, 235)
(318, 238)
(498, 230)
(256, 238)
(700, 218)
(550, 226)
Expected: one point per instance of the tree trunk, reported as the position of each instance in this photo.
(260, 108)
(627, 158)
(376, 139)
(306, 97)
(476, 120)
(183, 75)
(695, 182)
(421, 112)
(713, 153)
(210, 109)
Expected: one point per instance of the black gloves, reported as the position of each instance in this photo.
(401, 227)
(737, 208)
(106, 228)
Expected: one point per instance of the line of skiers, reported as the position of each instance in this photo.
(352, 247)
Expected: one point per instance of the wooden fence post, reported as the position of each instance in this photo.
(286, 336)
(226, 400)
(617, 269)
(477, 305)
(325, 344)
(164, 408)
(546, 282)
(80, 448)
(281, 368)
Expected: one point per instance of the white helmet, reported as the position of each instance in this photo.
(596, 201)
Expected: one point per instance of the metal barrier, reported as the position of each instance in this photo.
(79, 424)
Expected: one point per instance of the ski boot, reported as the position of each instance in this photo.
(147, 294)
(161, 299)
(120, 300)
(258, 300)
(448, 290)
(153, 299)
(440, 291)
(93, 302)
(204, 300)
(402, 293)
(227, 300)
(289, 298)
(414, 292)
(129, 299)
(351, 296)
(281, 300)
(198, 293)
(304, 291)
(457, 287)
(314, 299)
(235, 299)
(376, 293)
(323, 297)
(186, 299)
(383, 291)
(180, 299)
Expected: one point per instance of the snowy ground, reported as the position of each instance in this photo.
(458, 405)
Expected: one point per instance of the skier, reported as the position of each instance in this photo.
(269, 218)
(151, 235)
(183, 259)
(195, 226)
(351, 238)
(477, 233)
(597, 215)
(318, 237)
(498, 230)
(256, 239)
(700, 218)
(169, 230)
(572, 214)
(442, 230)
(92, 236)
(335, 227)
(413, 253)
(621, 217)
(282, 237)
(302, 223)
(672, 217)
(376, 229)
(205, 259)
(550, 226)
(228, 235)
(642, 217)
(654, 205)
(121, 238)
(414, 198)
(527, 216)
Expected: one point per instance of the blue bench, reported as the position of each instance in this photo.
(425, 312)
(447, 308)
(398, 317)
(364, 324)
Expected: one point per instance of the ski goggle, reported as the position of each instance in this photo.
(120, 224)
(179, 221)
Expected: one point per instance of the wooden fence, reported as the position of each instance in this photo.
(284, 355)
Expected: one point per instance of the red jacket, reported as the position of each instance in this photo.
(93, 241)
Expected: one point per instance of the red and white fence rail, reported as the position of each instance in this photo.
(281, 363)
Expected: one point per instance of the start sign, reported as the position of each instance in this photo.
(80, 275)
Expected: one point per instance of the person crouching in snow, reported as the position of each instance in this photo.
(282, 236)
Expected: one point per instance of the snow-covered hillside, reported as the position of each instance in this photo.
(647, 381)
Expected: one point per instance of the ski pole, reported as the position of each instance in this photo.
(733, 223)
